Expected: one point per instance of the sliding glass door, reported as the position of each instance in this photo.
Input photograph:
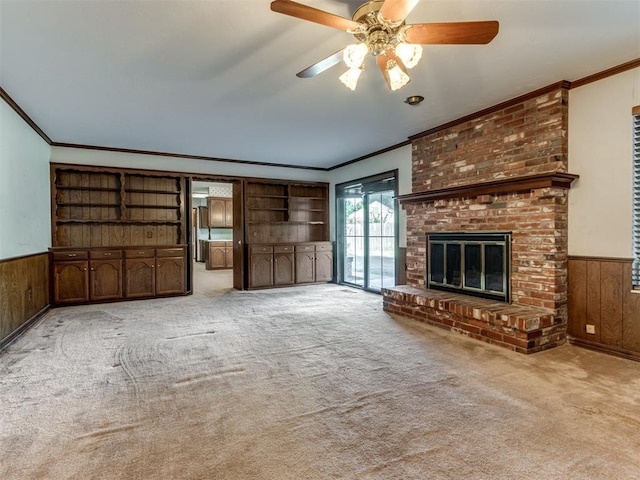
(367, 232)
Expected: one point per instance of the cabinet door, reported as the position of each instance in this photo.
(216, 212)
(217, 256)
(203, 217)
(324, 266)
(261, 270)
(105, 279)
(140, 278)
(169, 275)
(228, 254)
(228, 212)
(71, 282)
(305, 267)
(283, 269)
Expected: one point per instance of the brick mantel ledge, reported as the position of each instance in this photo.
(519, 328)
(506, 185)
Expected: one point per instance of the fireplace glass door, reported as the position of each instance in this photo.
(472, 263)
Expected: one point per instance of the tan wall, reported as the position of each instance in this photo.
(600, 151)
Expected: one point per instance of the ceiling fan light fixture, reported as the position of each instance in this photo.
(397, 77)
(409, 53)
(350, 77)
(355, 54)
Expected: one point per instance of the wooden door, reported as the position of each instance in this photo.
(228, 212)
(261, 270)
(217, 255)
(324, 265)
(284, 269)
(105, 279)
(228, 255)
(140, 278)
(71, 282)
(216, 212)
(305, 267)
(169, 275)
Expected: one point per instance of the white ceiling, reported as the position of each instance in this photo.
(217, 78)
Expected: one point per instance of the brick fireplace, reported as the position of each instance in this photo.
(502, 170)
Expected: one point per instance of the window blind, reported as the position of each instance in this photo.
(636, 200)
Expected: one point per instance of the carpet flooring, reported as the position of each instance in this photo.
(313, 382)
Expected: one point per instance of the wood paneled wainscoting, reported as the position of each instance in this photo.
(601, 300)
(24, 294)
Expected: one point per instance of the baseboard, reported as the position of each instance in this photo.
(618, 352)
(6, 341)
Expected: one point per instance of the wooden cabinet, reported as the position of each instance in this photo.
(140, 276)
(284, 265)
(220, 255)
(305, 264)
(260, 266)
(286, 212)
(98, 275)
(203, 217)
(324, 262)
(82, 276)
(290, 264)
(70, 277)
(105, 275)
(96, 214)
(220, 212)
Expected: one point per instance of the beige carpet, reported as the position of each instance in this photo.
(302, 383)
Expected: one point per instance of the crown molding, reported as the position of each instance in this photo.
(7, 98)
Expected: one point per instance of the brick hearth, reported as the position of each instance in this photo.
(503, 171)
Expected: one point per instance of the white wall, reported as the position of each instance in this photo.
(399, 158)
(600, 151)
(182, 165)
(25, 216)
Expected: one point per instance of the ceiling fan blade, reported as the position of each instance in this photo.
(395, 11)
(468, 33)
(322, 65)
(311, 14)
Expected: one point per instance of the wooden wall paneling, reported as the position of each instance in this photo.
(577, 298)
(24, 293)
(630, 312)
(593, 299)
(611, 303)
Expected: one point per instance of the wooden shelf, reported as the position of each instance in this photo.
(89, 205)
(164, 192)
(87, 189)
(162, 207)
(121, 221)
(283, 197)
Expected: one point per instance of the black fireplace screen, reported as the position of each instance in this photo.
(474, 263)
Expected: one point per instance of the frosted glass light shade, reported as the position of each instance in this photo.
(397, 77)
(355, 54)
(350, 77)
(409, 53)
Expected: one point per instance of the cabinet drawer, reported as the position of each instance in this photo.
(70, 255)
(283, 248)
(217, 244)
(305, 248)
(139, 253)
(170, 252)
(324, 247)
(261, 249)
(105, 254)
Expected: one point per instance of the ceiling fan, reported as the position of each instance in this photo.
(380, 29)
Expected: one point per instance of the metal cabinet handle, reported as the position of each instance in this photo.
(107, 254)
(72, 254)
(84, 269)
(92, 269)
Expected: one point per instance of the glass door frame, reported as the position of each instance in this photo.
(340, 226)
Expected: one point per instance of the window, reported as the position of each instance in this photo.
(636, 198)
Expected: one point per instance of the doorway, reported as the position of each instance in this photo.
(367, 231)
(212, 236)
